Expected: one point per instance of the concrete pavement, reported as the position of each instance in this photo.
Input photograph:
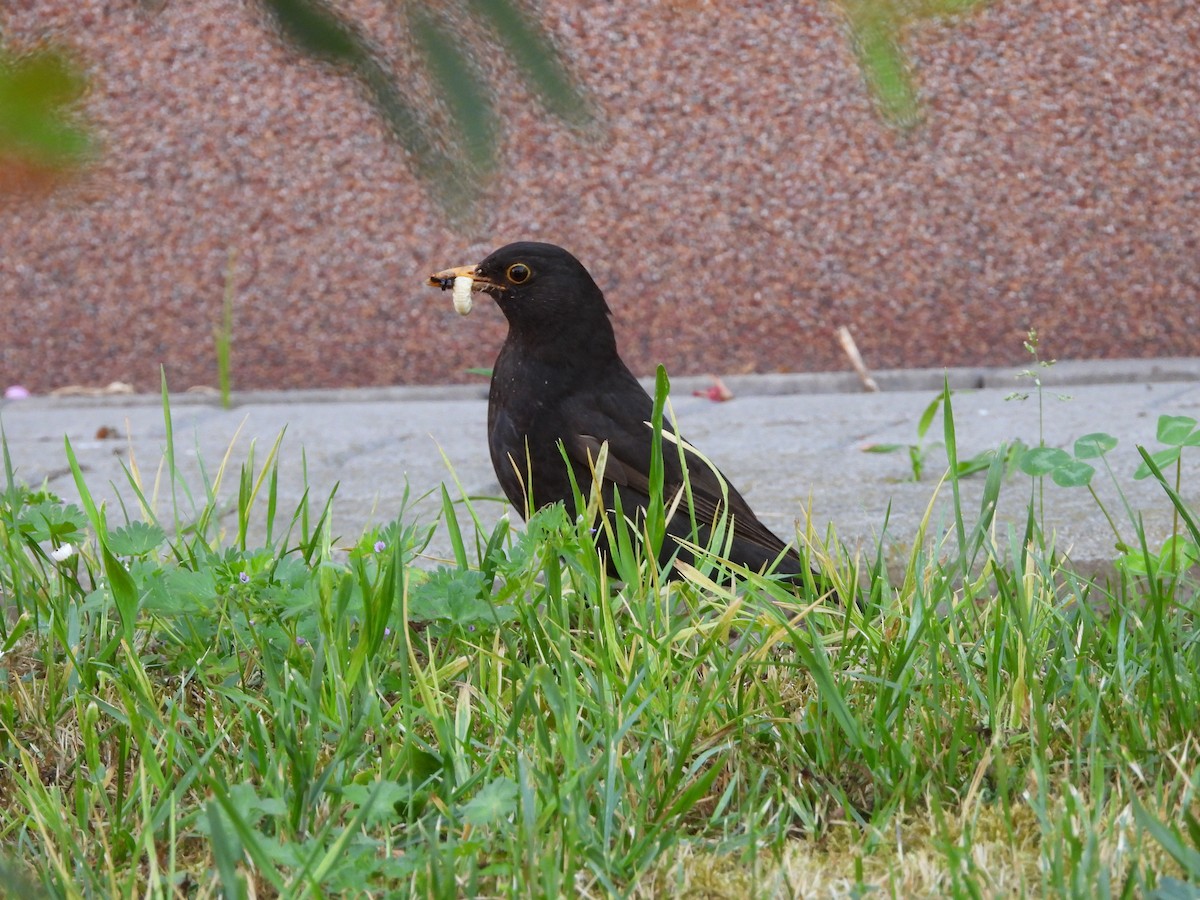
(784, 440)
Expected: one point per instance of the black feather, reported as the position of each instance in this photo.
(558, 378)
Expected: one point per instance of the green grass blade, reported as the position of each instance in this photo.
(1177, 500)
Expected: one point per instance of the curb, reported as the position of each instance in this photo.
(1060, 374)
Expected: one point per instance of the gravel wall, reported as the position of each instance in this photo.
(739, 201)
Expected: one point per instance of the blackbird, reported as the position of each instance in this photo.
(558, 378)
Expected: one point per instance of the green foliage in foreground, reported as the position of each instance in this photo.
(39, 137)
(187, 709)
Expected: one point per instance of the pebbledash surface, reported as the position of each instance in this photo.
(738, 199)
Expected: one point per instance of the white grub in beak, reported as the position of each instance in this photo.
(462, 294)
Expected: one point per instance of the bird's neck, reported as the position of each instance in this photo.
(573, 345)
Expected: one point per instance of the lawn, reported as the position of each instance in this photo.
(187, 712)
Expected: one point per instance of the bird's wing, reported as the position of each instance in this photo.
(607, 417)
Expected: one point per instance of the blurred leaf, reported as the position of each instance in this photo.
(251, 807)
(39, 141)
(15, 633)
(544, 526)
(496, 802)
(243, 801)
(451, 595)
(1073, 473)
(125, 593)
(175, 591)
(932, 9)
(461, 85)
(50, 521)
(1043, 460)
(977, 463)
(418, 772)
(543, 68)
(885, 65)
(1175, 430)
(385, 798)
(1179, 554)
(1161, 458)
(928, 415)
(417, 763)
(135, 539)
(316, 30)
(1092, 445)
(1136, 564)
(877, 32)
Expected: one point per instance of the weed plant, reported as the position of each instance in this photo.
(185, 712)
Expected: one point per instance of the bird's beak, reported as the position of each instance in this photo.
(445, 278)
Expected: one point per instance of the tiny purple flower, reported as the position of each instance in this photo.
(244, 578)
(386, 631)
(380, 546)
(300, 642)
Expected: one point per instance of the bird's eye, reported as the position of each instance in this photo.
(518, 273)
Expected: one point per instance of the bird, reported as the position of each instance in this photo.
(559, 381)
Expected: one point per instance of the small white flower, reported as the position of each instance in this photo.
(462, 294)
(66, 551)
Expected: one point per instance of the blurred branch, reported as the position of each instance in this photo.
(454, 165)
(41, 144)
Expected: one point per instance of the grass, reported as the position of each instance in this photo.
(223, 333)
(187, 712)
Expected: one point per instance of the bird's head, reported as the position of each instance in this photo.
(539, 287)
